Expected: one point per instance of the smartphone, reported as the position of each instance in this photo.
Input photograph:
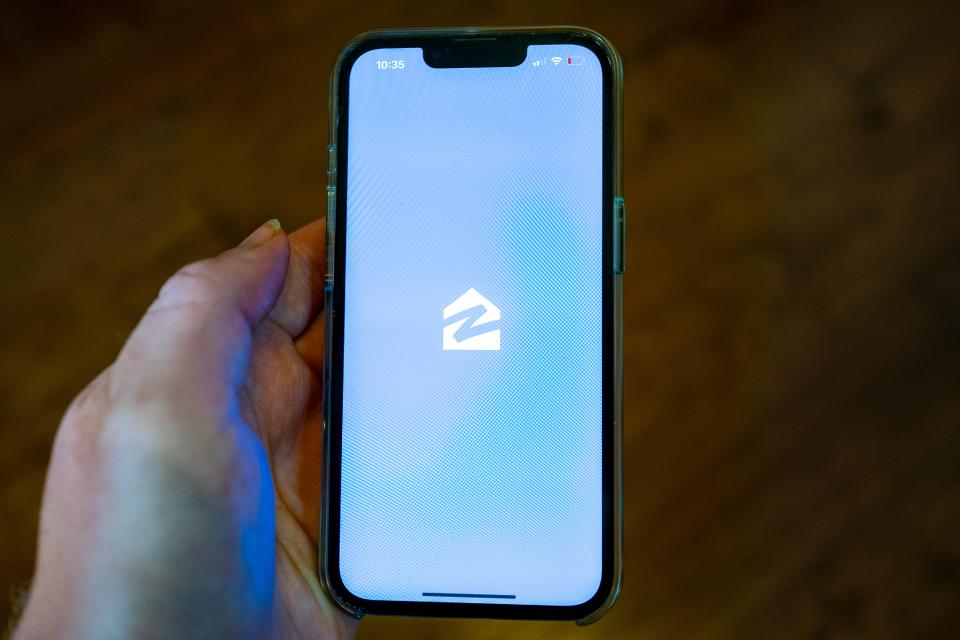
(472, 381)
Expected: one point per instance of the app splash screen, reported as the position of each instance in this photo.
(471, 422)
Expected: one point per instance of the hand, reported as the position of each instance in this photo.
(183, 494)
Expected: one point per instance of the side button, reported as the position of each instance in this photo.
(331, 164)
(331, 204)
(619, 235)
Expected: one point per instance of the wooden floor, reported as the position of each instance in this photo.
(792, 289)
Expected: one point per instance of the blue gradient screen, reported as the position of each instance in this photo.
(472, 351)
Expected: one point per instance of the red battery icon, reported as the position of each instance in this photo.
(575, 60)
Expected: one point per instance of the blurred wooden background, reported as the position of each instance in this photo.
(792, 288)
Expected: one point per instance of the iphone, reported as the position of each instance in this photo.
(473, 378)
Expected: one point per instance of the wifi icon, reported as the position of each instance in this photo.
(556, 60)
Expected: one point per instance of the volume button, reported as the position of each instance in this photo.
(331, 164)
(331, 211)
(619, 233)
(331, 230)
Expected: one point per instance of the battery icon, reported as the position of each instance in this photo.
(575, 60)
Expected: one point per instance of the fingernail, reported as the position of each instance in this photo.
(264, 232)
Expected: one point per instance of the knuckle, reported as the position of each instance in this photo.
(195, 282)
(83, 420)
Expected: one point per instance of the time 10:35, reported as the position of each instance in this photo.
(390, 64)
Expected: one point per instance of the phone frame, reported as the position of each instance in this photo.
(612, 410)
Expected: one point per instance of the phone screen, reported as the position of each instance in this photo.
(472, 391)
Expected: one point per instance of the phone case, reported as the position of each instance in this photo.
(617, 213)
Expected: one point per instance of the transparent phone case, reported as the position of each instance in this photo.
(615, 210)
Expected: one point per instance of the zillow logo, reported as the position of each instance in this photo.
(469, 324)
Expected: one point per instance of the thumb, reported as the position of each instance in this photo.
(192, 347)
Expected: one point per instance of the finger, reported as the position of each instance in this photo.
(302, 295)
(310, 345)
(193, 344)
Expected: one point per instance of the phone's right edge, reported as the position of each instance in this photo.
(617, 214)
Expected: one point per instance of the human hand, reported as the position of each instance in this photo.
(183, 494)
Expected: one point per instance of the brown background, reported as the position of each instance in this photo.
(792, 289)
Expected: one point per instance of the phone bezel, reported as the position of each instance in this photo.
(330, 569)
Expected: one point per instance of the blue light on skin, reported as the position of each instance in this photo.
(258, 532)
(256, 522)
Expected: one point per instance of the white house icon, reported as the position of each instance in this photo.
(471, 323)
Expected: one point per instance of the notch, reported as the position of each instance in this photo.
(475, 52)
